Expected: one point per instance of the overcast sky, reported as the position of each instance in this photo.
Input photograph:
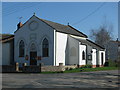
(84, 16)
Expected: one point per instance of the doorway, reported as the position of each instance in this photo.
(33, 56)
(102, 58)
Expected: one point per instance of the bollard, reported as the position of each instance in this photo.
(24, 64)
(17, 66)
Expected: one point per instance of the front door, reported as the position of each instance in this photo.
(33, 56)
(102, 58)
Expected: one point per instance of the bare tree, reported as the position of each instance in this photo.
(102, 35)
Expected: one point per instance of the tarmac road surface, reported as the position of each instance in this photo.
(98, 79)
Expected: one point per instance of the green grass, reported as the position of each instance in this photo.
(84, 70)
(90, 69)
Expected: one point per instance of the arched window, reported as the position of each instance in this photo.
(21, 48)
(73, 51)
(45, 48)
(83, 55)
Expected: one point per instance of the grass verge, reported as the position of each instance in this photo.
(84, 70)
(90, 69)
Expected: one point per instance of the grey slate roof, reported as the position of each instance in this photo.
(60, 27)
(91, 43)
(6, 37)
(64, 28)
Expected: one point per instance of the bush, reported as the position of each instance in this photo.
(71, 69)
(106, 64)
(112, 63)
(87, 66)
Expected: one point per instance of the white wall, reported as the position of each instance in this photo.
(93, 56)
(61, 42)
(81, 49)
(34, 36)
(55, 47)
(5, 53)
(100, 62)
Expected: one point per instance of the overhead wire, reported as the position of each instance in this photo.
(84, 18)
(20, 9)
(14, 6)
(14, 9)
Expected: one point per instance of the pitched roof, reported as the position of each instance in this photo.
(94, 44)
(89, 42)
(64, 28)
(60, 27)
(6, 37)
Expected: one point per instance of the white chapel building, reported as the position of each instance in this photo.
(42, 41)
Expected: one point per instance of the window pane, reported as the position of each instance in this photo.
(45, 48)
(83, 55)
(21, 48)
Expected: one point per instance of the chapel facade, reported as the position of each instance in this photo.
(42, 41)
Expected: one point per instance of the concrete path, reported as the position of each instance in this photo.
(98, 79)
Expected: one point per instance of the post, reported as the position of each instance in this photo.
(24, 64)
(17, 66)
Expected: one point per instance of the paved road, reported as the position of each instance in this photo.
(98, 79)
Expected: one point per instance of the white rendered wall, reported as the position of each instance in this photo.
(100, 62)
(61, 41)
(34, 36)
(5, 54)
(93, 56)
(81, 49)
(55, 47)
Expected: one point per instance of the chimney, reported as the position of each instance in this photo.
(19, 25)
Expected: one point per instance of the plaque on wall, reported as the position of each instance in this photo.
(38, 57)
(89, 57)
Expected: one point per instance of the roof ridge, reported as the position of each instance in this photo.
(44, 20)
(77, 30)
(52, 21)
(95, 43)
(59, 27)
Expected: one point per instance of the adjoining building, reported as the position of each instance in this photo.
(113, 50)
(7, 49)
(42, 41)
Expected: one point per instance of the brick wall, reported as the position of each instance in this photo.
(31, 69)
(57, 68)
